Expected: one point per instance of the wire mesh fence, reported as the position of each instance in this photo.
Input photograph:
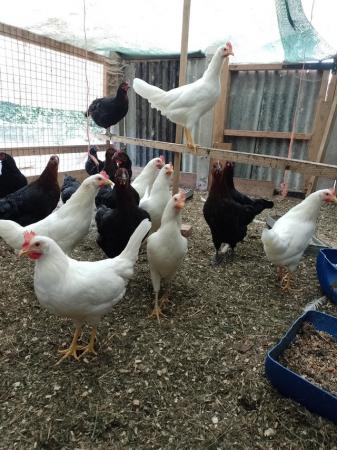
(45, 87)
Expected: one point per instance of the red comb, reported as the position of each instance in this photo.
(229, 46)
(162, 159)
(27, 237)
(333, 191)
(104, 175)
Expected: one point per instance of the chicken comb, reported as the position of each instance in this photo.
(27, 237)
(162, 159)
(229, 46)
(333, 191)
(104, 175)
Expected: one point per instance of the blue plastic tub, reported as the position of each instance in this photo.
(326, 267)
(292, 384)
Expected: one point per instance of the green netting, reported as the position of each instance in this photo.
(300, 40)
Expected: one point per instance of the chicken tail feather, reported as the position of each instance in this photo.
(11, 233)
(131, 250)
(152, 93)
(272, 242)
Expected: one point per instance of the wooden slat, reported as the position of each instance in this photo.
(27, 36)
(182, 81)
(324, 143)
(275, 162)
(58, 150)
(221, 106)
(266, 134)
(237, 67)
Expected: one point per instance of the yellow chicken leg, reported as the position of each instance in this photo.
(189, 140)
(90, 348)
(156, 312)
(286, 281)
(72, 350)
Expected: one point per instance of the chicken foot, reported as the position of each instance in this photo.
(90, 347)
(286, 281)
(221, 254)
(72, 350)
(156, 312)
(189, 140)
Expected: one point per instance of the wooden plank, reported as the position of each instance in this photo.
(320, 118)
(58, 150)
(182, 81)
(237, 67)
(324, 143)
(221, 106)
(275, 162)
(43, 41)
(266, 134)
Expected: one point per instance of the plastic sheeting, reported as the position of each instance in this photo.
(262, 31)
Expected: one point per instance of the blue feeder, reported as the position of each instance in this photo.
(326, 266)
(292, 384)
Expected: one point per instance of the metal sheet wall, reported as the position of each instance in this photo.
(267, 101)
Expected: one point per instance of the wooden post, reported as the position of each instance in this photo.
(329, 124)
(182, 81)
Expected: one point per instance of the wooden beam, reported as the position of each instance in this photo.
(237, 67)
(266, 134)
(52, 150)
(324, 143)
(275, 162)
(43, 41)
(182, 81)
(221, 106)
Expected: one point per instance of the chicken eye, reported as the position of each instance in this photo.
(37, 244)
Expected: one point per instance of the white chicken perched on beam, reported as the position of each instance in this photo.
(80, 290)
(66, 225)
(166, 249)
(185, 105)
(286, 242)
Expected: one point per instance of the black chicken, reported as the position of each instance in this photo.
(228, 176)
(113, 161)
(93, 165)
(35, 201)
(108, 111)
(115, 226)
(11, 179)
(226, 218)
(70, 185)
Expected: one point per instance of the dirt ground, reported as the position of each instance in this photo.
(196, 381)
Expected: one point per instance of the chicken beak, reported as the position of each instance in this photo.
(23, 252)
(108, 183)
(334, 199)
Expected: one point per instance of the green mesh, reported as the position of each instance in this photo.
(300, 40)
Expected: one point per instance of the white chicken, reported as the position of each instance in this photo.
(144, 181)
(66, 225)
(166, 249)
(80, 290)
(286, 242)
(185, 105)
(155, 203)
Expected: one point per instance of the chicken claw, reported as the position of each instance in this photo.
(72, 350)
(286, 282)
(90, 347)
(157, 312)
(189, 140)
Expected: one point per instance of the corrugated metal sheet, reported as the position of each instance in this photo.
(267, 101)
